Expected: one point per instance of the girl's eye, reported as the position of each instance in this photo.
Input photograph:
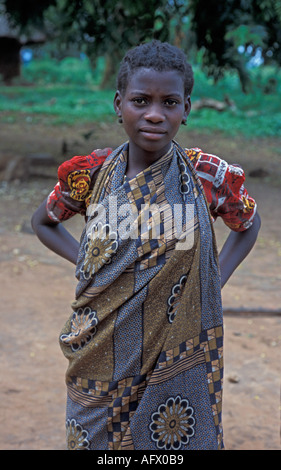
(140, 101)
(171, 102)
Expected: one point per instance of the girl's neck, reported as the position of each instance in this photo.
(138, 160)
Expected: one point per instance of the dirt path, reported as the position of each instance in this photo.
(37, 287)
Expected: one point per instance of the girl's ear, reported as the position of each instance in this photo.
(117, 102)
(187, 107)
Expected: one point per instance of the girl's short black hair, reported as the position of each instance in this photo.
(160, 56)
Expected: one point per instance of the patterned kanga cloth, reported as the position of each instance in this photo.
(145, 339)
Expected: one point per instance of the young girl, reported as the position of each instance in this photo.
(145, 339)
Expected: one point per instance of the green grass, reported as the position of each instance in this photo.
(257, 114)
(57, 103)
(67, 92)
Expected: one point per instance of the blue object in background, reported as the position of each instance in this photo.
(26, 55)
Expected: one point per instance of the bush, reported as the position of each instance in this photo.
(69, 70)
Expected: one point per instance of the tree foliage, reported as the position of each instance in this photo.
(27, 13)
(104, 27)
(97, 27)
(109, 27)
(221, 26)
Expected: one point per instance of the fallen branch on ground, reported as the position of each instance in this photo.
(214, 104)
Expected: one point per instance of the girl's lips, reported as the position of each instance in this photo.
(150, 133)
(152, 130)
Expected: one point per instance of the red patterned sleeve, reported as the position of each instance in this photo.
(226, 194)
(72, 193)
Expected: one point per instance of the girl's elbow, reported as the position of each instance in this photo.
(257, 221)
(34, 222)
(40, 217)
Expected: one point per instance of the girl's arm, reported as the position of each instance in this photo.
(53, 235)
(236, 248)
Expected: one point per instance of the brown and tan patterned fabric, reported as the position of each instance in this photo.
(145, 338)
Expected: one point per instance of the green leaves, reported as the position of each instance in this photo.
(215, 28)
(243, 34)
(220, 27)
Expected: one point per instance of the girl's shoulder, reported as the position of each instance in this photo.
(76, 178)
(83, 163)
(215, 169)
(224, 187)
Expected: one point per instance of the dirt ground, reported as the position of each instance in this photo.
(37, 288)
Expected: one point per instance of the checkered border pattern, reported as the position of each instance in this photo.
(121, 412)
(121, 397)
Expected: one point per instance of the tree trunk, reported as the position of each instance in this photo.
(112, 62)
(9, 58)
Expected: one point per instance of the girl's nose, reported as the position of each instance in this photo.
(154, 114)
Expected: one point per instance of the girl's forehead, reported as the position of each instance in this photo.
(151, 79)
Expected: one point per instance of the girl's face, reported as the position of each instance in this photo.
(152, 109)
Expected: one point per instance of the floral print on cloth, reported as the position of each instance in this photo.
(173, 424)
(101, 245)
(83, 328)
(77, 437)
(174, 299)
